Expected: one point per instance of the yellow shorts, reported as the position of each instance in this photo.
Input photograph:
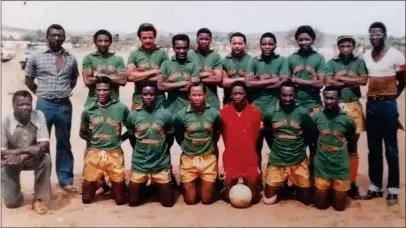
(99, 161)
(298, 175)
(354, 109)
(194, 166)
(325, 184)
(162, 177)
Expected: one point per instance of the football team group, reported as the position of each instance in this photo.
(293, 103)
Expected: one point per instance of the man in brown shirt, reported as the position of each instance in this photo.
(25, 146)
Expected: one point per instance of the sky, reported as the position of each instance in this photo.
(336, 17)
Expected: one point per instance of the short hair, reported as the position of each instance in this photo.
(21, 93)
(204, 30)
(239, 83)
(305, 29)
(102, 32)
(268, 34)
(55, 26)
(238, 34)
(333, 88)
(104, 80)
(144, 84)
(379, 25)
(146, 27)
(288, 83)
(182, 37)
(197, 84)
(344, 38)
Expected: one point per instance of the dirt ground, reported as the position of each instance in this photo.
(68, 211)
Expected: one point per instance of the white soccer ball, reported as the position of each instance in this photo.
(240, 196)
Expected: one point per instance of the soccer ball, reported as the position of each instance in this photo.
(240, 196)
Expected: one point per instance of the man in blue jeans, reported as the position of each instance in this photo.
(386, 73)
(56, 71)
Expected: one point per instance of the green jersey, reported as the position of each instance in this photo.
(354, 67)
(106, 64)
(265, 68)
(304, 67)
(335, 129)
(198, 130)
(176, 71)
(213, 61)
(105, 125)
(289, 126)
(234, 68)
(144, 62)
(151, 153)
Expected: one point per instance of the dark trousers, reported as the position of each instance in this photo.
(381, 125)
(58, 113)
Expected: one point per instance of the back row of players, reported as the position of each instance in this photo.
(193, 75)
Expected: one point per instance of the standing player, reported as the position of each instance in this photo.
(177, 74)
(289, 124)
(103, 63)
(264, 74)
(235, 65)
(101, 125)
(153, 127)
(241, 123)
(386, 72)
(197, 130)
(331, 163)
(306, 67)
(144, 63)
(349, 73)
(210, 65)
(98, 64)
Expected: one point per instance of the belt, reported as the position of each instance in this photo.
(58, 100)
(381, 98)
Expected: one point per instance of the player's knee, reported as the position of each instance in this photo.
(169, 202)
(339, 206)
(86, 199)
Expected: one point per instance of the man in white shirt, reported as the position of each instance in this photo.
(25, 146)
(386, 75)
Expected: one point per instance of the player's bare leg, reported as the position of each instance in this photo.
(321, 198)
(207, 191)
(229, 184)
(253, 184)
(135, 196)
(166, 194)
(304, 195)
(118, 192)
(88, 191)
(189, 192)
(340, 200)
(271, 194)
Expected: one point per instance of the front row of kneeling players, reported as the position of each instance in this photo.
(197, 129)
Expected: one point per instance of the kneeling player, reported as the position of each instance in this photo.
(331, 164)
(241, 124)
(197, 130)
(287, 159)
(101, 125)
(153, 127)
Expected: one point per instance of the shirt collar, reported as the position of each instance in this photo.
(208, 52)
(337, 57)
(62, 51)
(173, 58)
(230, 55)
(189, 107)
(298, 51)
(33, 119)
(141, 107)
(95, 106)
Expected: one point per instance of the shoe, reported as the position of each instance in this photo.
(353, 193)
(392, 199)
(372, 195)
